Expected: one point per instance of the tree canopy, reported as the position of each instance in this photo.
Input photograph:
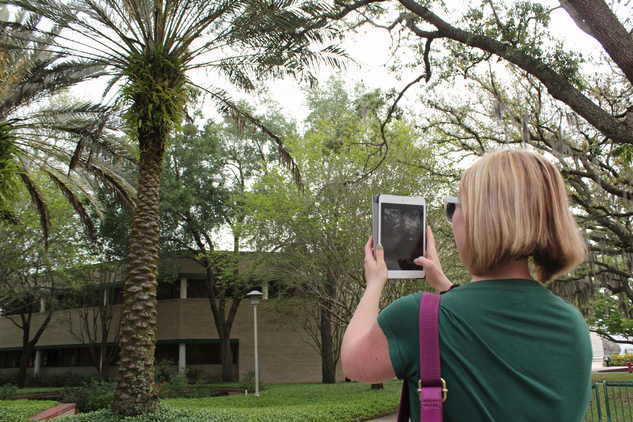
(148, 48)
(497, 76)
(31, 273)
(43, 130)
(311, 240)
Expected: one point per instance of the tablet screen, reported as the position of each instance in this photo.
(402, 235)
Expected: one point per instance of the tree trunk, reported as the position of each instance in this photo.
(328, 369)
(605, 27)
(27, 346)
(25, 355)
(135, 394)
(223, 322)
(227, 359)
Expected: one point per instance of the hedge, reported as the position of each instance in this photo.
(18, 411)
(280, 403)
(620, 360)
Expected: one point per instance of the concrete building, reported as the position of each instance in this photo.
(186, 336)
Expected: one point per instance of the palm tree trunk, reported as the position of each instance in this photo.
(135, 394)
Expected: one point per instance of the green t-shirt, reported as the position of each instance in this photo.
(510, 351)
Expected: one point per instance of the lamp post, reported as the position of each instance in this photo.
(255, 295)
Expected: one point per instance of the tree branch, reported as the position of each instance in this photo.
(557, 85)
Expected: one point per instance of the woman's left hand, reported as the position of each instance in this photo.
(432, 267)
(375, 267)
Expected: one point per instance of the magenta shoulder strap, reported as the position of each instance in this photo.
(431, 386)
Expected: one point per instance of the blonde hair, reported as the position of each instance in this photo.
(515, 205)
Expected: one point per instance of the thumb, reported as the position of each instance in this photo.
(380, 253)
(424, 262)
(430, 242)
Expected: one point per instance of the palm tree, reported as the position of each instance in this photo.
(71, 142)
(150, 47)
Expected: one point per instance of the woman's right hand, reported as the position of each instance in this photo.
(375, 267)
(432, 267)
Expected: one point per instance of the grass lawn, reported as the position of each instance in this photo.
(611, 376)
(342, 402)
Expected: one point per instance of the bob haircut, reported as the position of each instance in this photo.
(514, 204)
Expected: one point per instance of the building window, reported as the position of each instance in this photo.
(209, 354)
(59, 357)
(197, 289)
(168, 352)
(11, 359)
(165, 291)
(84, 358)
(53, 357)
(116, 296)
(4, 361)
(71, 357)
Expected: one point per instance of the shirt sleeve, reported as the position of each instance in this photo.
(400, 323)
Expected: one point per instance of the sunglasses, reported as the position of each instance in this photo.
(450, 203)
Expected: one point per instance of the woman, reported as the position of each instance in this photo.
(510, 350)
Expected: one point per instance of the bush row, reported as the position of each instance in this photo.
(95, 395)
(18, 411)
(67, 379)
(7, 391)
(280, 403)
(620, 360)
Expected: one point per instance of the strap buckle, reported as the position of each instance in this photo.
(444, 389)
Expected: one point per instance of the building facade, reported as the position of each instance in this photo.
(185, 336)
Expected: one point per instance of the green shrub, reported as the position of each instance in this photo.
(79, 396)
(248, 382)
(94, 395)
(280, 403)
(176, 387)
(195, 375)
(21, 411)
(162, 372)
(9, 378)
(620, 360)
(7, 391)
(39, 390)
(66, 379)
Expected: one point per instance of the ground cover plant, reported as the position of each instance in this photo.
(281, 403)
(19, 411)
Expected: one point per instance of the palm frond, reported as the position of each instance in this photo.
(227, 107)
(84, 216)
(40, 203)
(58, 139)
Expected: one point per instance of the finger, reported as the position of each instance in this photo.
(369, 246)
(380, 254)
(424, 262)
(430, 243)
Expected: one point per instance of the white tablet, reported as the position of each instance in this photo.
(399, 224)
